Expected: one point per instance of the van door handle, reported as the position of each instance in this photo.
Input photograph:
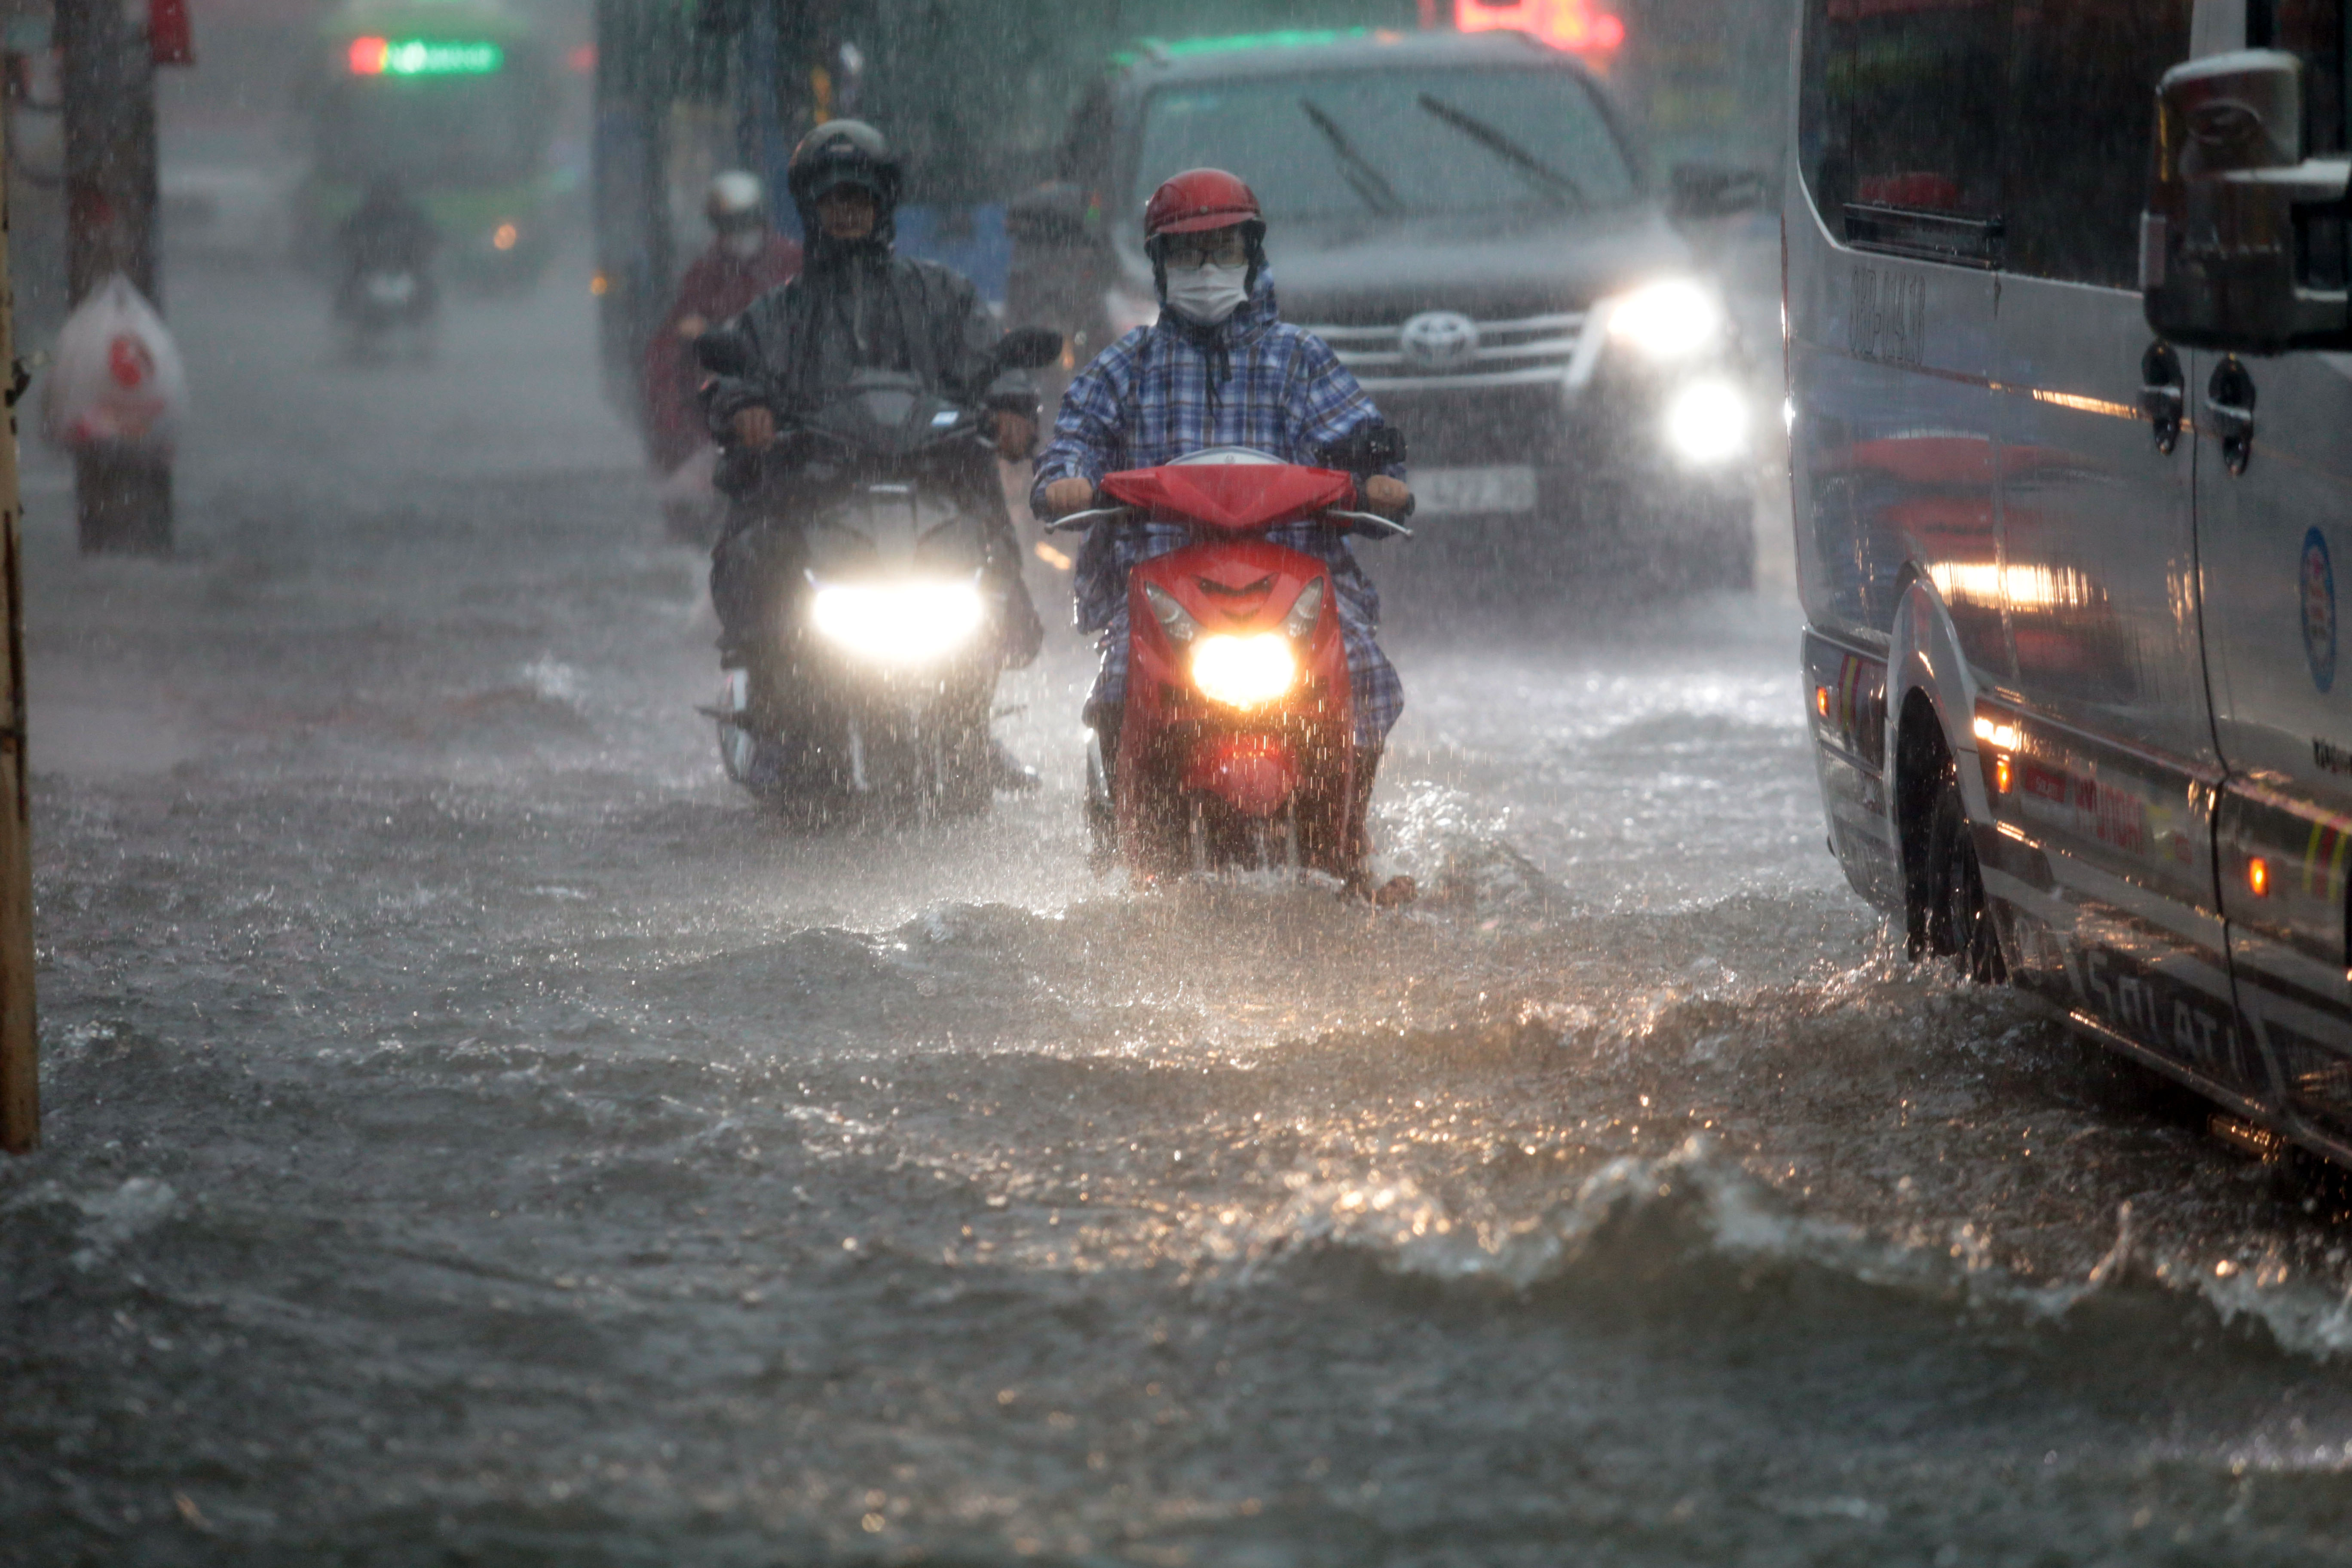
(2229, 411)
(2163, 394)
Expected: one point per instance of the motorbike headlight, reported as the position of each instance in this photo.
(1244, 672)
(1672, 319)
(1299, 624)
(897, 622)
(1173, 619)
(1707, 421)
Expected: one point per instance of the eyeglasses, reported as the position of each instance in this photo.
(1220, 247)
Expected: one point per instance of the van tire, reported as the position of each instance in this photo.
(1955, 919)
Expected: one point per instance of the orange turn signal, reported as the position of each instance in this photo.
(2258, 877)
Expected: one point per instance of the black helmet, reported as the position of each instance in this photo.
(843, 152)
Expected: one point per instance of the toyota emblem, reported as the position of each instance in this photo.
(1440, 341)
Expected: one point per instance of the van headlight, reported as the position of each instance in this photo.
(897, 622)
(1244, 672)
(1670, 319)
(1706, 420)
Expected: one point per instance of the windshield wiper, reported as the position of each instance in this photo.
(1368, 183)
(1551, 181)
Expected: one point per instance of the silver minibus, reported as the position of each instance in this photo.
(2070, 407)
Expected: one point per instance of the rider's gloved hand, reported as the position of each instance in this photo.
(1017, 435)
(754, 428)
(1063, 497)
(1386, 496)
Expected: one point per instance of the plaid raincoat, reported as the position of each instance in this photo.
(1172, 388)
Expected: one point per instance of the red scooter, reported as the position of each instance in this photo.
(1237, 749)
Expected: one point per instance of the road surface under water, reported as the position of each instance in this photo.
(476, 1135)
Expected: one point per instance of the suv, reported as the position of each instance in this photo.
(1463, 219)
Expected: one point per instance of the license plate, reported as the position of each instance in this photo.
(1509, 487)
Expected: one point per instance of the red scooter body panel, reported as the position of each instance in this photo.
(1178, 747)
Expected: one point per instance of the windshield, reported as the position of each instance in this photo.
(1393, 144)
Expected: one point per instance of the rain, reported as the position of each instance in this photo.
(530, 1073)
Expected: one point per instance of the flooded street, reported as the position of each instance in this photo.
(476, 1134)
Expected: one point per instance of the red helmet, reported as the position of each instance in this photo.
(1201, 199)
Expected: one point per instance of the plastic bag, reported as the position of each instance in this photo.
(116, 380)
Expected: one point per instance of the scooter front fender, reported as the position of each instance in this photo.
(1257, 775)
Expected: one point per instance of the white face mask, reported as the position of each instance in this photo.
(1207, 294)
(745, 244)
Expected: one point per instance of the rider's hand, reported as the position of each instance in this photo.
(755, 430)
(1386, 496)
(1015, 435)
(1063, 497)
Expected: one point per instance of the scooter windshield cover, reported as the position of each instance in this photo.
(1237, 497)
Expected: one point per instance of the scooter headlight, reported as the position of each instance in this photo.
(897, 622)
(1173, 619)
(1244, 672)
(1299, 624)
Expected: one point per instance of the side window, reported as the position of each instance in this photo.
(1821, 115)
(1900, 123)
(2083, 77)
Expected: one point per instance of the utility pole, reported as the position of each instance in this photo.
(20, 1083)
(122, 499)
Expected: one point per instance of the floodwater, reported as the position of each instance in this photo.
(476, 1135)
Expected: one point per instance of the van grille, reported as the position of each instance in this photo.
(1432, 351)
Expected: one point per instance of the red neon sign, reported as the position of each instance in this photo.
(1576, 25)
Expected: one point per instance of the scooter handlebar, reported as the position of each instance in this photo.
(1372, 523)
(1079, 522)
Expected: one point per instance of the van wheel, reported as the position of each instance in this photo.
(1959, 920)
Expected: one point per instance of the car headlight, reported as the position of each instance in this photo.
(1707, 421)
(1244, 672)
(897, 622)
(1672, 319)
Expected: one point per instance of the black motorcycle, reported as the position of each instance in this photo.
(875, 677)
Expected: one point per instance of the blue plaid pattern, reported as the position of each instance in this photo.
(1147, 400)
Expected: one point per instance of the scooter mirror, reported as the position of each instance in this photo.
(724, 353)
(1028, 348)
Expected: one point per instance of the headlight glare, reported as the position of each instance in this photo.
(1244, 672)
(897, 622)
(1707, 421)
(1670, 319)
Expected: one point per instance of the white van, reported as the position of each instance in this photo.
(2071, 425)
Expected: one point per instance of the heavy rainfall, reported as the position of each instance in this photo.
(509, 1097)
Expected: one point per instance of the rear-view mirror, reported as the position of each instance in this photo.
(1715, 190)
(2228, 194)
(1028, 348)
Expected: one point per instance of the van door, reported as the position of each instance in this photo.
(2107, 810)
(2274, 531)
